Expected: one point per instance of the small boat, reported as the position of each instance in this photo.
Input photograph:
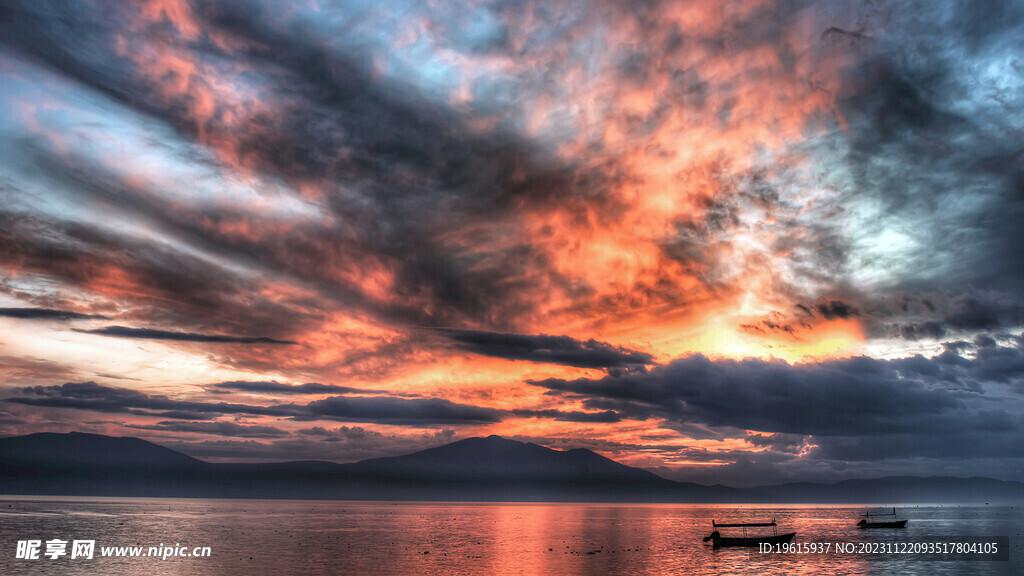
(717, 539)
(867, 523)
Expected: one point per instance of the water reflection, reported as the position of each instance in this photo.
(426, 539)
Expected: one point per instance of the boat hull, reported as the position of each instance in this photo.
(717, 541)
(896, 524)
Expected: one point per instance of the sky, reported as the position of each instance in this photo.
(729, 242)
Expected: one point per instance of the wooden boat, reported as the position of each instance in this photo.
(717, 539)
(867, 523)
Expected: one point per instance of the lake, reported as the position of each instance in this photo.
(247, 537)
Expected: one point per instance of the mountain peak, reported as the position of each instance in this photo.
(498, 457)
(480, 468)
(84, 449)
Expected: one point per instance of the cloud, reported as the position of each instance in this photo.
(836, 309)
(8, 419)
(381, 410)
(785, 443)
(938, 316)
(99, 398)
(853, 407)
(23, 369)
(316, 99)
(604, 417)
(215, 428)
(307, 388)
(341, 433)
(918, 331)
(151, 334)
(399, 411)
(47, 314)
(972, 314)
(949, 414)
(924, 134)
(548, 349)
(857, 396)
(233, 172)
(149, 275)
(340, 444)
(424, 218)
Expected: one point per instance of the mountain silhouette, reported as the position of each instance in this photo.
(77, 449)
(484, 469)
(497, 457)
(475, 469)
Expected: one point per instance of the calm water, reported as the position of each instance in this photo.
(249, 537)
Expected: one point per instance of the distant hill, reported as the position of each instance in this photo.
(497, 457)
(484, 469)
(496, 468)
(475, 469)
(76, 449)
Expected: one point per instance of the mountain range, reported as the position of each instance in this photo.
(475, 469)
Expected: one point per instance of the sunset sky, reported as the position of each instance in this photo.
(730, 242)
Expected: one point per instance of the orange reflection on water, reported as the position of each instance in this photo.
(435, 538)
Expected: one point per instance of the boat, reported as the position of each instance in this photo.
(866, 522)
(717, 539)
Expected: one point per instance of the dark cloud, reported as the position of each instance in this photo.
(151, 334)
(774, 322)
(307, 388)
(932, 330)
(966, 314)
(420, 217)
(151, 276)
(432, 411)
(992, 435)
(973, 314)
(548, 349)
(766, 396)
(953, 413)
(833, 309)
(47, 314)
(99, 398)
(215, 428)
(341, 433)
(416, 180)
(184, 415)
(414, 166)
(607, 416)
(381, 410)
(860, 397)
(926, 132)
(779, 442)
(804, 317)
(399, 411)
